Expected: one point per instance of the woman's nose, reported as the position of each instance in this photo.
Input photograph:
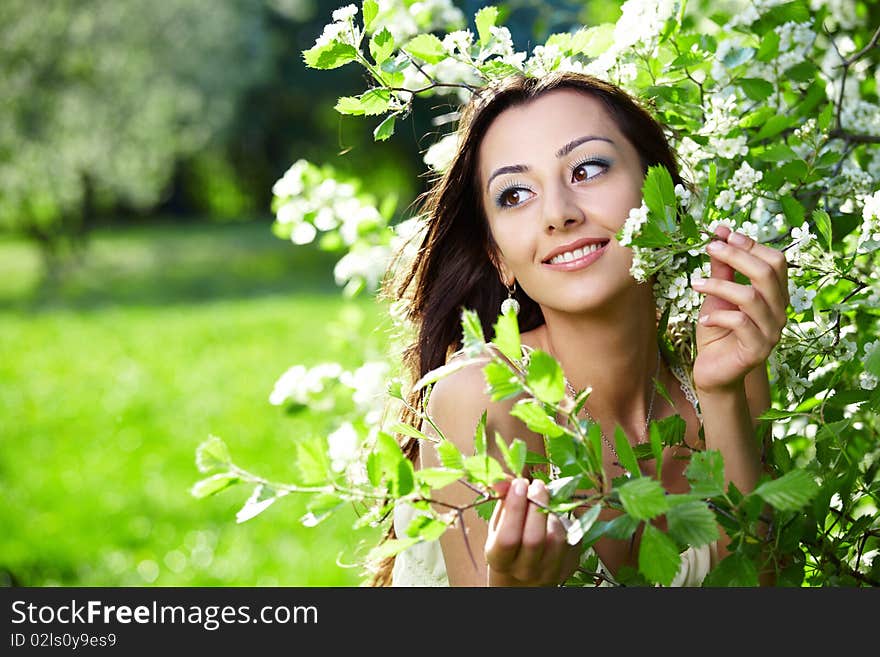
(560, 210)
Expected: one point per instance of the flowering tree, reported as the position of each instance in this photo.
(100, 98)
(773, 109)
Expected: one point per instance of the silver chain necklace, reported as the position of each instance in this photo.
(574, 395)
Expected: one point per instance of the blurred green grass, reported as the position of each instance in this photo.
(111, 378)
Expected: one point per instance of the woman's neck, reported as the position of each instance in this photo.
(613, 350)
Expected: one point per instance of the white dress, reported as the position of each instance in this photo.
(423, 565)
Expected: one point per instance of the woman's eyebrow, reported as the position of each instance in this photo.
(562, 152)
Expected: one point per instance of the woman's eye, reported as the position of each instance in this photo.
(590, 169)
(512, 194)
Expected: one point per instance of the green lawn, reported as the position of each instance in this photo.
(109, 381)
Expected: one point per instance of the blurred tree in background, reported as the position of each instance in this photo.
(100, 97)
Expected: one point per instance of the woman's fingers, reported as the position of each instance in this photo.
(534, 533)
(746, 298)
(746, 331)
(766, 268)
(506, 527)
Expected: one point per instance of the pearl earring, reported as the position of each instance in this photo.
(510, 304)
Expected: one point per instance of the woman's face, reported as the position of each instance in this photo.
(558, 180)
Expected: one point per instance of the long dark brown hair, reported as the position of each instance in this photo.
(455, 264)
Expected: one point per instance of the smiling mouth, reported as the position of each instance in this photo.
(578, 256)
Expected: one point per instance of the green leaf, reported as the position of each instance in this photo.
(486, 509)
(769, 47)
(792, 491)
(692, 523)
(625, 452)
(392, 547)
(561, 450)
(212, 454)
(825, 117)
(445, 370)
(385, 129)
(503, 383)
(705, 472)
(621, 527)
(756, 118)
(370, 11)
(485, 19)
(312, 462)
(507, 336)
(592, 41)
(408, 430)
(659, 560)
(659, 192)
(672, 430)
(319, 509)
(777, 153)
(404, 481)
(656, 448)
(776, 414)
(260, 500)
(381, 46)
(480, 436)
(582, 524)
(872, 362)
(563, 488)
(329, 55)
(823, 224)
(495, 68)
(545, 377)
(426, 47)
(737, 57)
(214, 484)
(793, 210)
(534, 416)
(774, 125)
(735, 570)
(643, 498)
(484, 469)
(802, 71)
(756, 89)
(472, 333)
(514, 456)
(376, 101)
(449, 455)
(426, 528)
(438, 477)
(349, 105)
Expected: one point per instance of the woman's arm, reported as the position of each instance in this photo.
(524, 545)
(739, 327)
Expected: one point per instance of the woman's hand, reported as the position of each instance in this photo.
(739, 324)
(525, 545)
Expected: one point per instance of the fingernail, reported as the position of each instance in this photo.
(519, 487)
(535, 487)
(698, 283)
(715, 246)
(704, 319)
(738, 239)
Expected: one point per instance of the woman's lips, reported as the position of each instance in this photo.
(579, 263)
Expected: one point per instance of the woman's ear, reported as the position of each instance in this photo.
(505, 276)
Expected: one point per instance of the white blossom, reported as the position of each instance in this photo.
(440, 154)
(636, 219)
(303, 233)
(345, 13)
(343, 447)
(801, 298)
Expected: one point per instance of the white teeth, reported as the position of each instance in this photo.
(568, 256)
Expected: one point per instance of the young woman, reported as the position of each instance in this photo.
(545, 175)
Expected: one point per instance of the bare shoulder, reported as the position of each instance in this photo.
(457, 402)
